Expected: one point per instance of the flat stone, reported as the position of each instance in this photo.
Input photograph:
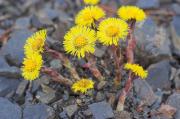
(144, 92)
(14, 49)
(101, 110)
(177, 80)
(174, 101)
(9, 110)
(148, 4)
(22, 87)
(122, 115)
(3, 62)
(176, 8)
(159, 75)
(100, 96)
(71, 109)
(99, 52)
(175, 31)
(38, 111)
(23, 22)
(45, 97)
(8, 85)
(10, 72)
(152, 42)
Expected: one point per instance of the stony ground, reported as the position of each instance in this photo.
(158, 50)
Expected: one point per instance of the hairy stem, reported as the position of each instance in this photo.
(56, 76)
(131, 44)
(66, 62)
(117, 60)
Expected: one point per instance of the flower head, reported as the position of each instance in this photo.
(137, 70)
(36, 42)
(80, 40)
(31, 66)
(131, 12)
(83, 85)
(89, 15)
(91, 2)
(111, 30)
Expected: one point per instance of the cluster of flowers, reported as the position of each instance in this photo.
(92, 26)
(33, 59)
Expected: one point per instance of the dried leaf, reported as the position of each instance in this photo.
(167, 110)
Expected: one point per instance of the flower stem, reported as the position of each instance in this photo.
(131, 44)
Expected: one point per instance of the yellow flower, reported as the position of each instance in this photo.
(91, 2)
(80, 40)
(131, 12)
(31, 66)
(88, 16)
(111, 30)
(36, 42)
(137, 70)
(83, 85)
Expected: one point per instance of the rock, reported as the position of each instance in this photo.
(175, 31)
(101, 85)
(100, 96)
(159, 75)
(70, 110)
(99, 52)
(9, 110)
(144, 92)
(3, 62)
(22, 23)
(152, 42)
(177, 80)
(14, 49)
(56, 64)
(8, 85)
(63, 115)
(10, 72)
(46, 97)
(101, 110)
(22, 87)
(148, 4)
(176, 8)
(165, 1)
(122, 115)
(38, 111)
(174, 101)
(35, 22)
(87, 113)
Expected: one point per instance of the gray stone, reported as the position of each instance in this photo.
(175, 31)
(63, 115)
(148, 4)
(174, 101)
(22, 87)
(159, 75)
(165, 1)
(100, 96)
(152, 42)
(14, 49)
(101, 110)
(122, 115)
(22, 23)
(38, 111)
(3, 62)
(10, 72)
(177, 80)
(35, 22)
(45, 97)
(176, 8)
(99, 52)
(9, 110)
(71, 109)
(8, 85)
(144, 92)
(56, 64)
(101, 85)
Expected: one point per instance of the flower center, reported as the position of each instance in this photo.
(112, 31)
(31, 66)
(80, 42)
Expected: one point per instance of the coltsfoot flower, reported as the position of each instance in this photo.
(31, 66)
(91, 2)
(80, 40)
(83, 85)
(36, 42)
(111, 30)
(131, 12)
(137, 70)
(88, 16)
